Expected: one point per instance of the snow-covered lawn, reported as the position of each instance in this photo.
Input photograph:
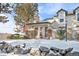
(62, 44)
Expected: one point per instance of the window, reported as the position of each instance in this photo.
(46, 31)
(78, 17)
(61, 20)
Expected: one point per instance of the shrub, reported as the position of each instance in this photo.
(15, 36)
(60, 34)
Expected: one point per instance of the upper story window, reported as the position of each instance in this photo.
(61, 20)
(78, 17)
(61, 15)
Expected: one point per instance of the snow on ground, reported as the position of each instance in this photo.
(62, 44)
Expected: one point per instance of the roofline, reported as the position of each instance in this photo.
(70, 14)
(38, 23)
(75, 9)
(48, 18)
(61, 10)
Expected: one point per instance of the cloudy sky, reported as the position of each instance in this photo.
(46, 10)
(9, 26)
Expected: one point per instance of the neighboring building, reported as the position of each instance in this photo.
(4, 35)
(38, 30)
(47, 29)
(72, 20)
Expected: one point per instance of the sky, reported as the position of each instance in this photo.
(9, 26)
(46, 10)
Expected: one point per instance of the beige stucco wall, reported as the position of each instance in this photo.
(62, 14)
(4, 35)
(70, 20)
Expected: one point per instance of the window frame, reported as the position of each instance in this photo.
(62, 20)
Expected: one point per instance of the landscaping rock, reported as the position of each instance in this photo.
(9, 49)
(17, 46)
(24, 45)
(68, 50)
(51, 54)
(63, 52)
(54, 54)
(54, 49)
(25, 51)
(35, 52)
(73, 54)
(3, 42)
(17, 51)
(44, 49)
(5, 47)
(44, 53)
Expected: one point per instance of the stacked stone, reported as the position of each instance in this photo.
(32, 51)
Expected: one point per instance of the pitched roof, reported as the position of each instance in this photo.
(70, 13)
(47, 19)
(55, 25)
(61, 10)
(75, 9)
(38, 23)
